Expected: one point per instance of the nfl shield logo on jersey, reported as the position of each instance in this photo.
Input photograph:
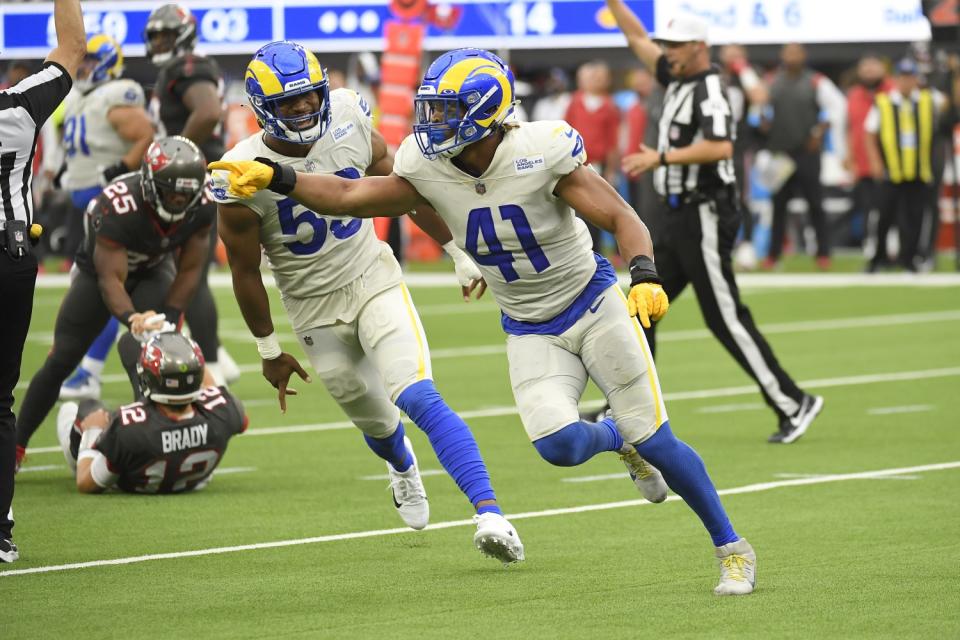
(308, 340)
(481, 188)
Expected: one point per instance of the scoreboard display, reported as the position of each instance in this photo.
(241, 26)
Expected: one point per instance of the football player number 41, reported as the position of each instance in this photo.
(480, 224)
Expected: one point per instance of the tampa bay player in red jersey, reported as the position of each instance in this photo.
(170, 441)
(187, 101)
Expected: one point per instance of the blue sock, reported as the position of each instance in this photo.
(578, 442)
(100, 348)
(684, 472)
(452, 441)
(392, 449)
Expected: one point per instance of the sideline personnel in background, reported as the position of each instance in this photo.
(23, 110)
(694, 175)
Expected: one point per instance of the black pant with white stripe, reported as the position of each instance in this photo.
(695, 248)
(17, 281)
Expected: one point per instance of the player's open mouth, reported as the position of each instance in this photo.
(302, 124)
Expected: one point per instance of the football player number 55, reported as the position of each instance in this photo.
(290, 223)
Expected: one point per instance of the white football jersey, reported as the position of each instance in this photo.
(312, 255)
(533, 251)
(90, 141)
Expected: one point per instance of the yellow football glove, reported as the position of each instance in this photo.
(247, 177)
(648, 301)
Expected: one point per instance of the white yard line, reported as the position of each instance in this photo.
(856, 322)
(423, 472)
(910, 408)
(510, 410)
(603, 476)
(731, 408)
(823, 475)
(744, 280)
(221, 471)
(356, 535)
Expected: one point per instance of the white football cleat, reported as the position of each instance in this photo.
(80, 386)
(645, 476)
(497, 538)
(409, 496)
(228, 366)
(65, 419)
(738, 569)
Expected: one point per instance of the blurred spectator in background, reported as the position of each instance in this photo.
(748, 95)
(336, 79)
(798, 96)
(593, 113)
(16, 71)
(871, 79)
(900, 129)
(553, 105)
(638, 123)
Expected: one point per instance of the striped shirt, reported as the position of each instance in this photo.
(23, 110)
(694, 109)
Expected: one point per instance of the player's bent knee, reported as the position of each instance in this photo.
(400, 375)
(565, 448)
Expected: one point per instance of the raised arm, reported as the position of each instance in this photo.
(71, 36)
(370, 197)
(637, 37)
(593, 198)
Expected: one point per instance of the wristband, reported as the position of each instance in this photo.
(268, 346)
(452, 249)
(663, 159)
(125, 318)
(284, 178)
(89, 438)
(642, 269)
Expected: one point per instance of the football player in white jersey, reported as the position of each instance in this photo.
(342, 287)
(506, 193)
(106, 130)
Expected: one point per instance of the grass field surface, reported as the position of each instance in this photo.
(856, 526)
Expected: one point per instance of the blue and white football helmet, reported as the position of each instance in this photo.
(104, 59)
(465, 96)
(281, 70)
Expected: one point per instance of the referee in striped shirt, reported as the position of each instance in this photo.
(23, 110)
(694, 176)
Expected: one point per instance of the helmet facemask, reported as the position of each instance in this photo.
(465, 96)
(268, 114)
(171, 166)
